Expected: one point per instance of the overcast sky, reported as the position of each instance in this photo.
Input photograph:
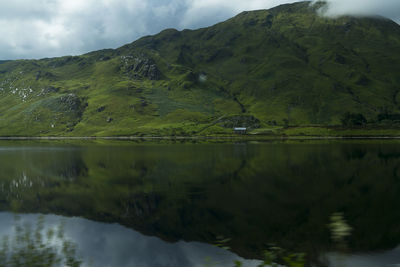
(48, 28)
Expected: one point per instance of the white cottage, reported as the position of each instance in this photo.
(240, 130)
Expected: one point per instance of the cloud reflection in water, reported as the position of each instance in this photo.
(100, 244)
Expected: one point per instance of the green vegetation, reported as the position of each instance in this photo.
(276, 256)
(283, 67)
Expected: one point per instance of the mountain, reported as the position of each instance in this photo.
(286, 66)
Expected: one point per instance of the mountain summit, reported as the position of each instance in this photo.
(284, 66)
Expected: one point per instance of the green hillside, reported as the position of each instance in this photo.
(265, 70)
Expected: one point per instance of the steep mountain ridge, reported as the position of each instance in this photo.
(283, 66)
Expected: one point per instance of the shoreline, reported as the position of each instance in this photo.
(239, 137)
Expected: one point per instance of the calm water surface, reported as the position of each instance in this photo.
(191, 204)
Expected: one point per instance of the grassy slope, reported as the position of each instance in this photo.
(284, 66)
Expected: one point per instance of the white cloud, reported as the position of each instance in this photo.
(203, 13)
(387, 8)
(47, 28)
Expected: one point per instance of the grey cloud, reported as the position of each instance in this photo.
(26, 10)
(48, 28)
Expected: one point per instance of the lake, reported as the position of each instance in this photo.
(198, 203)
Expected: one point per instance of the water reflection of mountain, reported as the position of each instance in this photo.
(254, 194)
(41, 162)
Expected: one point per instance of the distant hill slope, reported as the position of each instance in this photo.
(283, 66)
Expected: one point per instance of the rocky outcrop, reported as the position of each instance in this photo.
(140, 67)
(70, 105)
(101, 109)
(70, 102)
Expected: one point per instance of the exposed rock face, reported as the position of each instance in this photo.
(70, 102)
(64, 110)
(51, 89)
(48, 90)
(140, 67)
(101, 109)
